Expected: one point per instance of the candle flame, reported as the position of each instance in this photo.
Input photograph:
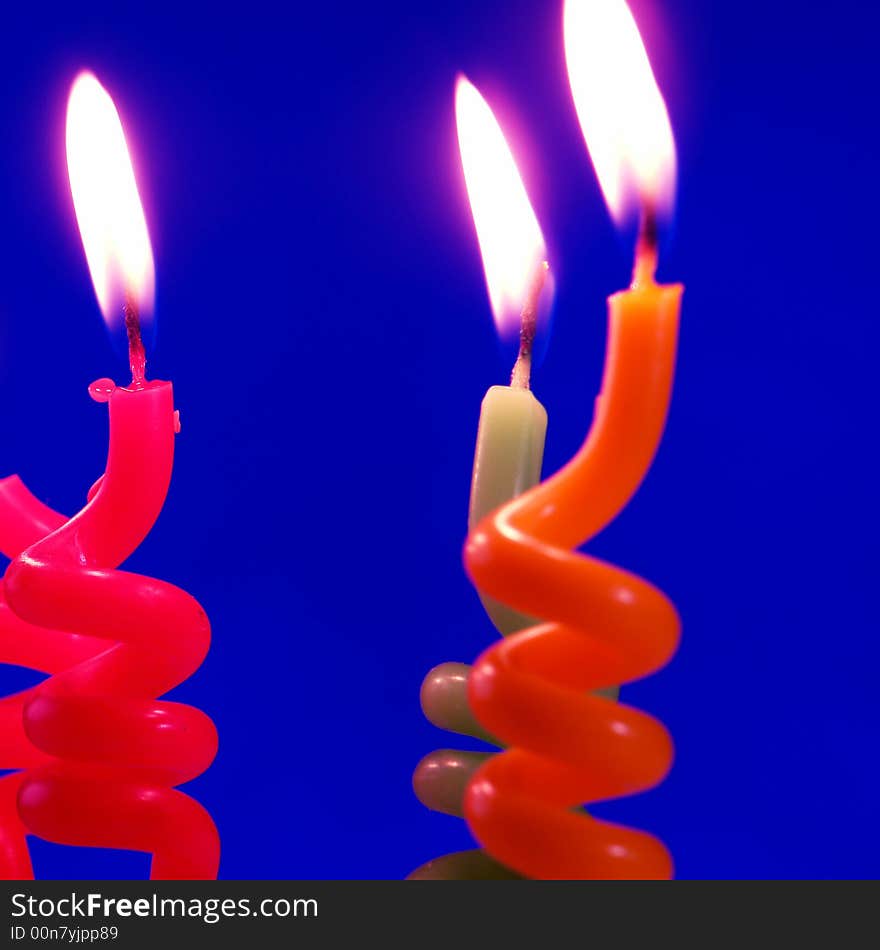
(105, 197)
(621, 110)
(510, 238)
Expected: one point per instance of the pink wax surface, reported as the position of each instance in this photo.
(99, 755)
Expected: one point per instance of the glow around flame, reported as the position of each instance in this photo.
(621, 111)
(510, 238)
(105, 196)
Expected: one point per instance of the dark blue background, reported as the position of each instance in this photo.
(323, 316)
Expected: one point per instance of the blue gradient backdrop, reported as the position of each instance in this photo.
(323, 316)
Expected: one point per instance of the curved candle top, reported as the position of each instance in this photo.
(630, 416)
(127, 503)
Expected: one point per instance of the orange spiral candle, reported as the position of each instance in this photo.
(602, 626)
(577, 627)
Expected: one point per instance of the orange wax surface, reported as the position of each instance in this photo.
(603, 627)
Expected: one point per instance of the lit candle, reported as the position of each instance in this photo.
(513, 423)
(510, 436)
(105, 753)
(601, 626)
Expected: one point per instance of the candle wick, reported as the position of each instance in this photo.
(522, 368)
(645, 266)
(137, 356)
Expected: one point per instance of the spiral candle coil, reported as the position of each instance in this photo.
(101, 754)
(568, 746)
(604, 626)
(537, 691)
(440, 779)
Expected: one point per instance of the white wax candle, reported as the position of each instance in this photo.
(507, 462)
